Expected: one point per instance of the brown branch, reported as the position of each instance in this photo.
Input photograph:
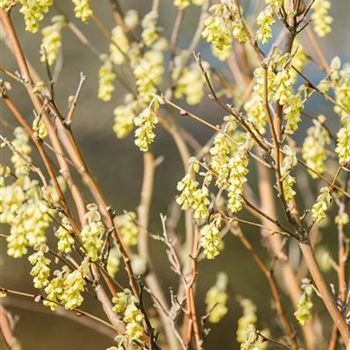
(28, 305)
(143, 244)
(326, 295)
(236, 230)
(40, 298)
(7, 328)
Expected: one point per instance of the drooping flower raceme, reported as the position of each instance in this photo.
(220, 158)
(222, 26)
(320, 17)
(288, 181)
(148, 73)
(275, 4)
(33, 12)
(192, 196)
(238, 164)
(210, 238)
(64, 235)
(39, 127)
(321, 205)
(216, 299)
(113, 262)
(265, 20)
(303, 312)
(41, 269)
(92, 232)
(74, 286)
(150, 33)
(343, 145)
(124, 116)
(82, 9)
(292, 113)
(106, 78)
(131, 19)
(52, 40)
(247, 334)
(128, 229)
(145, 123)
(126, 306)
(5, 4)
(315, 145)
(24, 204)
(190, 84)
(55, 288)
(119, 46)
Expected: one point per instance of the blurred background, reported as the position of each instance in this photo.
(117, 166)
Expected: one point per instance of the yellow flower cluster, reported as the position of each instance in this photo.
(54, 289)
(82, 9)
(303, 312)
(119, 47)
(210, 238)
(222, 26)
(23, 206)
(247, 334)
(74, 286)
(145, 123)
(65, 236)
(41, 269)
(106, 78)
(253, 341)
(150, 32)
(216, 299)
(281, 78)
(126, 306)
(342, 219)
(113, 262)
(323, 258)
(314, 149)
(265, 20)
(320, 17)
(248, 317)
(52, 40)
(190, 84)
(340, 77)
(256, 111)
(92, 232)
(124, 116)
(5, 4)
(220, 154)
(128, 228)
(148, 72)
(39, 127)
(23, 151)
(321, 205)
(343, 145)
(33, 12)
(292, 109)
(192, 196)
(288, 181)
(65, 288)
(275, 4)
(238, 164)
(131, 19)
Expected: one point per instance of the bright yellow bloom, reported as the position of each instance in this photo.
(106, 78)
(216, 299)
(320, 17)
(82, 9)
(51, 42)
